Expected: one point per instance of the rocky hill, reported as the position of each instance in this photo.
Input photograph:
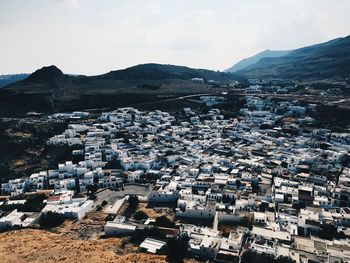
(46, 74)
(159, 71)
(49, 90)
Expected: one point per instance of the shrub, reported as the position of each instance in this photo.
(253, 257)
(51, 220)
(133, 202)
(140, 215)
(164, 221)
(176, 249)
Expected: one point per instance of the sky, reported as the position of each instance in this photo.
(96, 36)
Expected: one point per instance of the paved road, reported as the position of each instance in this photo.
(326, 100)
(178, 98)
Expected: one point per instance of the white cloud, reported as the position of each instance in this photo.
(93, 36)
(154, 7)
(73, 3)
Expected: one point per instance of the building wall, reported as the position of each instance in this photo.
(155, 197)
(205, 214)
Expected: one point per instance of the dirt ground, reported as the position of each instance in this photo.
(31, 245)
(89, 228)
(227, 229)
(152, 212)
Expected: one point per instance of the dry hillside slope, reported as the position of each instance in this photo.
(43, 246)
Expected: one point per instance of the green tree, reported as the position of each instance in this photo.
(253, 257)
(164, 221)
(238, 184)
(282, 259)
(91, 188)
(177, 248)
(330, 232)
(140, 215)
(133, 202)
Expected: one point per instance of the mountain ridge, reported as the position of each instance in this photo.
(50, 90)
(255, 58)
(7, 79)
(156, 71)
(329, 59)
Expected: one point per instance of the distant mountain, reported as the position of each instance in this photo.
(254, 59)
(326, 60)
(49, 89)
(11, 78)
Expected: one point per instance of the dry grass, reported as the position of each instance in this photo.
(89, 228)
(19, 163)
(35, 152)
(11, 133)
(42, 246)
(227, 229)
(96, 216)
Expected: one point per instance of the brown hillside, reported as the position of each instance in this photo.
(43, 246)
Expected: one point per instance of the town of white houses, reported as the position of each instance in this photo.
(205, 184)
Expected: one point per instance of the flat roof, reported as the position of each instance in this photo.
(268, 233)
(152, 245)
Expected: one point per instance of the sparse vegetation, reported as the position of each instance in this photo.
(140, 215)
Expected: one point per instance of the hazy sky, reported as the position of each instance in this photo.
(96, 36)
